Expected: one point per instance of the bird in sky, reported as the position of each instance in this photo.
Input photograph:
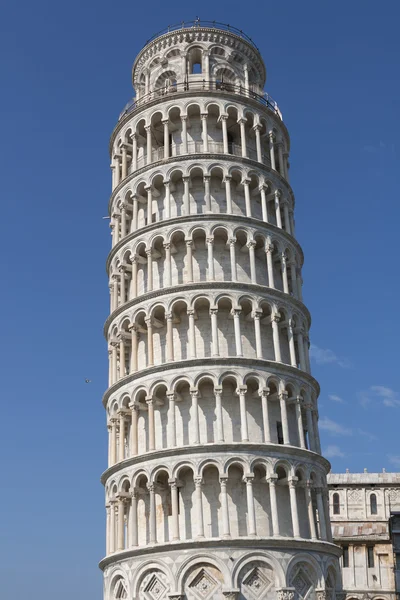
(88, 381)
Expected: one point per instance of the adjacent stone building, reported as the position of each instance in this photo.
(362, 506)
(215, 487)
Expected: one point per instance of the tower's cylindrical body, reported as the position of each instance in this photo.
(215, 487)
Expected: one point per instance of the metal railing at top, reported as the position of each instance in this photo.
(197, 23)
(204, 86)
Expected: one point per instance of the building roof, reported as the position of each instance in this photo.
(363, 478)
(360, 530)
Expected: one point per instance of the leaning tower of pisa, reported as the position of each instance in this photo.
(215, 486)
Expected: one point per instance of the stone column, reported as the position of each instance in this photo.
(227, 180)
(226, 533)
(274, 506)
(219, 414)
(310, 428)
(250, 506)
(284, 274)
(242, 123)
(321, 513)
(152, 429)
(166, 138)
(325, 498)
(123, 287)
(171, 418)
(280, 154)
(290, 328)
(210, 257)
(116, 228)
(184, 135)
(122, 365)
(133, 367)
(134, 260)
(270, 266)
(247, 197)
(265, 415)
(293, 279)
(150, 349)
(167, 199)
(115, 291)
(251, 246)
(168, 272)
(113, 449)
(116, 170)
(107, 529)
(300, 345)
(232, 253)
(148, 145)
(257, 314)
(224, 119)
(175, 514)
(278, 217)
(204, 131)
(121, 450)
(134, 429)
(272, 150)
(149, 204)
(199, 507)
(276, 337)
(241, 392)
(264, 203)
(170, 338)
(114, 362)
(149, 270)
(189, 257)
(123, 220)
(314, 416)
(195, 415)
(134, 151)
(285, 424)
(186, 202)
(310, 510)
(214, 331)
(300, 422)
(192, 333)
(135, 213)
(235, 312)
(207, 197)
(112, 526)
(286, 165)
(293, 506)
(256, 129)
(133, 527)
(153, 516)
(286, 216)
(121, 524)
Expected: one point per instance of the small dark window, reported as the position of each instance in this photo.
(371, 561)
(345, 556)
(373, 504)
(279, 431)
(336, 504)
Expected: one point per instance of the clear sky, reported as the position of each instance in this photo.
(333, 67)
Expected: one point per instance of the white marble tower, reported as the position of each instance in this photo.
(215, 486)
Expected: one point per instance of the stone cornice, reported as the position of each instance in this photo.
(252, 543)
(208, 285)
(209, 363)
(279, 124)
(218, 218)
(271, 449)
(199, 157)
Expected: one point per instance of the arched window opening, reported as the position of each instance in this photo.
(373, 504)
(336, 504)
(195, 61)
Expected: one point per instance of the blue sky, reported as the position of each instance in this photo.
(333, 68)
